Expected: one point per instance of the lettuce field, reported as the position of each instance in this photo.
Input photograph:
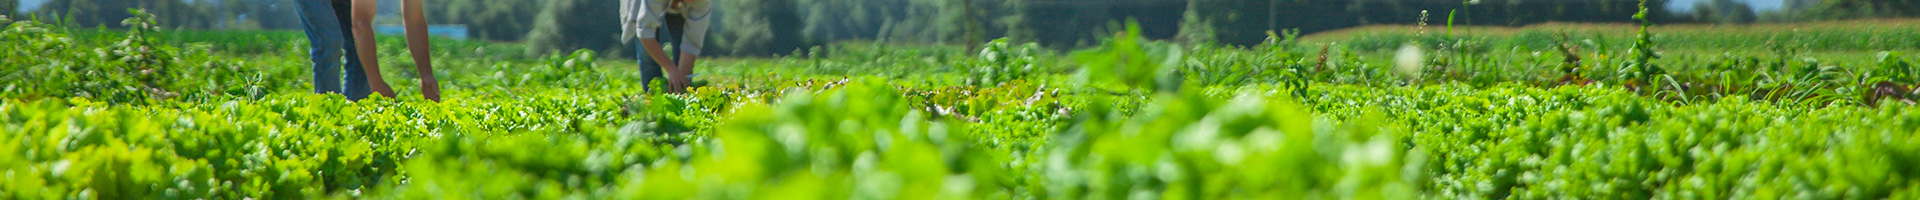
(1806, 111)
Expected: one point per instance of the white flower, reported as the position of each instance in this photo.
(1410, 60)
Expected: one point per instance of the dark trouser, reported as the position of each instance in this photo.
(326, 23)
(650, 70)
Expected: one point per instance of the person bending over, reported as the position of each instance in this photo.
(681, 22)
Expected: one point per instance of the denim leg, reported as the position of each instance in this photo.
(324, 39)
(356, 83)
(650, 70)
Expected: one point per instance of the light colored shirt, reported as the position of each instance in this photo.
(643, 18)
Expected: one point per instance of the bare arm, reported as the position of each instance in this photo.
(659, 55)
(417, 43)
(686, 67)
(363, 12)
(652, 46)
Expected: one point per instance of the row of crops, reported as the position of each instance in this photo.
(129, 116)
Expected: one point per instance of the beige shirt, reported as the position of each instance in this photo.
(642, 19)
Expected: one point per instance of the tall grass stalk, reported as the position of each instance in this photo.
(1643, 48)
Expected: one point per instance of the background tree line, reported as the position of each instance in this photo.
(765, 27)
(1805, 10)
(7, 7)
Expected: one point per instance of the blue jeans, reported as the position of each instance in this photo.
(325, 22)
(650, 70)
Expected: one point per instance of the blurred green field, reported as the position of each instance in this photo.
(1852, 35)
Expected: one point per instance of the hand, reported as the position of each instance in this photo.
(430, 87)
(686, 70)
(677, 81)
(685, 83)
(380, 87)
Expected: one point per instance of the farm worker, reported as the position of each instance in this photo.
(416, 23)
(324, 21)
(685, 24)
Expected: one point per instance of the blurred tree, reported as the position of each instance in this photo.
(10, 7)
(109, 13)
(567, 25)
(964, 23)
(843, 19)
(1724, 12)
(1851, 9)
(761, 27)
(254, 14)
(1064, 24)
(1244, 22)
(498, 20)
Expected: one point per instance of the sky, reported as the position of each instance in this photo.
(26, 5)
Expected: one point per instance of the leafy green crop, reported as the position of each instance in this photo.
(158, 114)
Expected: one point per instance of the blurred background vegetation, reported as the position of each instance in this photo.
(775, 27)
